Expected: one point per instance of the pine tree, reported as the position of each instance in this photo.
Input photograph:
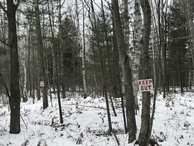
(179, 55)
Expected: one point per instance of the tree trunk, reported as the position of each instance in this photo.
(84, 56)
(125, 5)
(190, 17)
(57, 61)
(162, 45)
(126, 71)
(118, 81)
(14, 99)
(137, 50)
(145, 64)
(40, 47)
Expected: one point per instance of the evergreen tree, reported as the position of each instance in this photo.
(71, 53)
(179, 59)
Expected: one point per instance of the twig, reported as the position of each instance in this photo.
(23, 121)
(17, 4)
(25, 143)
(117, 140)
(6, 88)
(4, 42)
(3, 140)
(3, 8)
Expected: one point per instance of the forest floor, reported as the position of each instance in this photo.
(85, 123)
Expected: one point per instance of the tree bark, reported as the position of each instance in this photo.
(145, 64)
(137, 49)
(40, 47)
(126, 71)
(57, 60)
(14, 98)
(162, 46)
(84, 55)
(190, 17)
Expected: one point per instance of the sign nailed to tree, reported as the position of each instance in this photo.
(145, 85)
(41, 83)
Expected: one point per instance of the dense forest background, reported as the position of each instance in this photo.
(66, 45)
(72, 44)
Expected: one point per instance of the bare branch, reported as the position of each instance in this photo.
(4, 42)
(3, 8)
(109, 6)
(62, 3)
(6, 87)
(17, 4)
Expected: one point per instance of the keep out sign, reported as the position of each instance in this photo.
(145, 85)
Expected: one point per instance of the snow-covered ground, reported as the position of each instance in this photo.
(85, 123)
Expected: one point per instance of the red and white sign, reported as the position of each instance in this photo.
(145, 85)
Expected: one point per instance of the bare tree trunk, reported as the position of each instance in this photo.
(137, 49)
(118, 86)
(145, 64)
(14, 98)
(24, 92)
(190, 17)
(84, 53)
(125, 5)
(162, 46)
(102, 68)
(106, 44)
(29, 74)
(126, 71)
(57, 61)
(40, 47)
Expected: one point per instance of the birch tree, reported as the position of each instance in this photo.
(136, 52)
(126, 71)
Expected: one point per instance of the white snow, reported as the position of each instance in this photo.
(85, 123)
